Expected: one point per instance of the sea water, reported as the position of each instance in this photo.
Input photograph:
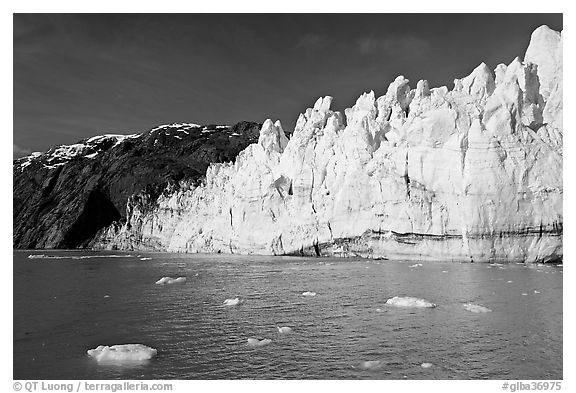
(68, 302)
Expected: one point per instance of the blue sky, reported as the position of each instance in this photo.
(80, 75)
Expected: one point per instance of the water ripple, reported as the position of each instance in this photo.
(57, 319)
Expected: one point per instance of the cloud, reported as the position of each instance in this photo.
(401, 46)
(19, 152)
(312, 41)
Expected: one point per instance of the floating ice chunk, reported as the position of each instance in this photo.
(307, 293)
(43, 256)
(284, 329)
(371, 365)
(407, 301)
(170, 280)
(416, 265)
(254, 342)
(125, 352)
(476, 308)
(232, 302)
(426, 365)
(101, 256)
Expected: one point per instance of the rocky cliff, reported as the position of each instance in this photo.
(64, 196)
(473, 173)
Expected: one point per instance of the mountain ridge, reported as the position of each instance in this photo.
(63, 196)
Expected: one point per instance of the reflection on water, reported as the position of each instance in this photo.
(120, 365)
(64, 306)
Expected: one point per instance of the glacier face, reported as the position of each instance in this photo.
(474, 173)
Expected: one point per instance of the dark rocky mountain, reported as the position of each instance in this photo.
(64, 196)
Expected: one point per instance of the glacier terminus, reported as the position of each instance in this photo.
(468, 174)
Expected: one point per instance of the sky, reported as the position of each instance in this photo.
(79, 75)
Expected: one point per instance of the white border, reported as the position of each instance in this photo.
(298, 6)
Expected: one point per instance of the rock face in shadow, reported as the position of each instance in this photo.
(64, 196)
(473, 173)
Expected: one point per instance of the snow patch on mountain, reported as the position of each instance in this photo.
(184, 126)
(62, 154)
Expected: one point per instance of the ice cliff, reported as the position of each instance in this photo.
(473, 173)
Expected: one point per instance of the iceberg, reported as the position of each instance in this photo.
(170, 280)
(371, 365)
(253, 342)
(232, 302)
(124, 352)
(284, 329)
(475, 308)
(407, 301)
(308, 293)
